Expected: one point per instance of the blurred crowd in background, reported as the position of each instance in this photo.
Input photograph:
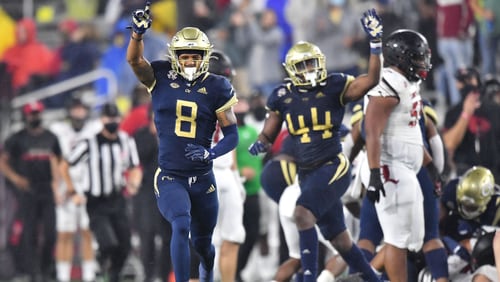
(49, 47)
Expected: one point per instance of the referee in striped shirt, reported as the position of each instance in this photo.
(107, 156)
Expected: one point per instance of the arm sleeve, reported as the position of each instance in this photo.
(437, 148)
(229, 142)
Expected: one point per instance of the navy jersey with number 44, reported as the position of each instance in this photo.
(313, 118)
(185, 112)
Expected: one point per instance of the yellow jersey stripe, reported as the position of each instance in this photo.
(342, 169)
(150, 89)
(228, 104)
(155, 182)
(358, 116)
(349, 79)
(431, 113)
(285, 172)
(292, 169)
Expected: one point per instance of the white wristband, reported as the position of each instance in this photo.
(376, 47)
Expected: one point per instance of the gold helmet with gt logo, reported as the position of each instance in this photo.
(305, 64)
(190, 40)
(474, 192)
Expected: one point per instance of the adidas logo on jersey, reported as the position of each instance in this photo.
(307, 272)
(211, 189)
(306, 251)
(202, 90)
(320, 95)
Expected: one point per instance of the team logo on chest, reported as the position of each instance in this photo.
(172, 75)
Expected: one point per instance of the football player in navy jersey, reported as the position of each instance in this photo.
(469, 203)
(312, 104)
(187, 101)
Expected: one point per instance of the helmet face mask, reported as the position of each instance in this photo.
(474, 192)
(409, 51)
(305, 64)
(189, 52)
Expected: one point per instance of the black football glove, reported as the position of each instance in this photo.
(375, 187)
(436, 178)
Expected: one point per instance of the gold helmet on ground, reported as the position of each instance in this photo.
(474, 191)
(190, 40)
(305, 64)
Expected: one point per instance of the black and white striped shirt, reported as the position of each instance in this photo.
(106, 162)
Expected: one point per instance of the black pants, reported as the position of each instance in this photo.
(110, 225)
(37, 211)
(150, 224)
(251, 222)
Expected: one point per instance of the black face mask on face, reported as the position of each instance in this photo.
(34, 123)
(111, 127)
(77, 123)
(467, 89)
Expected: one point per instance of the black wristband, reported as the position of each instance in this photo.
(375, 172)
(135, 38)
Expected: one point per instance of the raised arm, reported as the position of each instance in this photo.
(453, 136)
(141, 21)
(372, 24)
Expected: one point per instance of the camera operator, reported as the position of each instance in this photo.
(471, 128)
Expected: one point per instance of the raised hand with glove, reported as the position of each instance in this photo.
(375, 187)
(141, 19)
(372, 24)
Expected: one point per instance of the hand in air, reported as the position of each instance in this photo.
(372, 24)
(141, 19)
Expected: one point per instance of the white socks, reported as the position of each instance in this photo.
(326, 276)
(63, 270)
(88, 270)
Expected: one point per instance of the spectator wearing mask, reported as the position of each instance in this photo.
(70, 217)
(109, 154)
(30, 164)
(471, 127)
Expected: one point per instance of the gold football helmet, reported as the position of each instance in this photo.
(474, 191)
(190, 40)
(305, 64)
